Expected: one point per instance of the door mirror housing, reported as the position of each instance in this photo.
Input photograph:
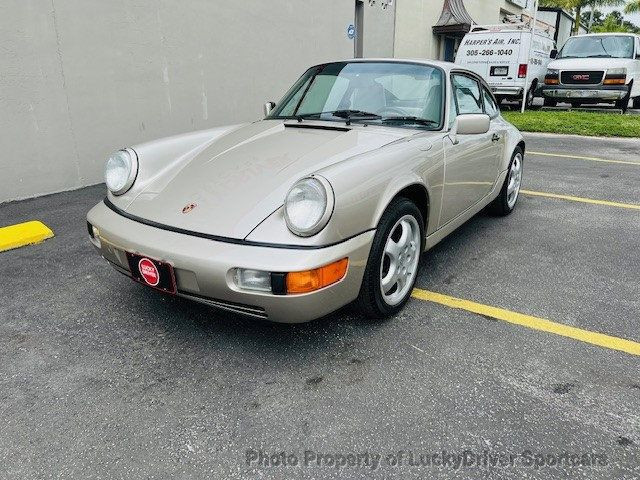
(553, 53)
(268, 107)
(470, 124)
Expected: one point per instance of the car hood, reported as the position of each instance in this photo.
(242, 177)
(581, 64)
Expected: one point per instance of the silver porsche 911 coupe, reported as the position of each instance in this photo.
(330, 199)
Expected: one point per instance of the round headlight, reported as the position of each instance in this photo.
(120, 171)
(308, 206)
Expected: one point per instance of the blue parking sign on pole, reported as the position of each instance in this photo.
(351, 31)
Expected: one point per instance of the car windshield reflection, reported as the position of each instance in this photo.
(390, 93)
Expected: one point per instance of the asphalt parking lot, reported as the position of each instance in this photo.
(103, 378)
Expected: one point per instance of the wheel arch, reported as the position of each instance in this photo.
(413, 189)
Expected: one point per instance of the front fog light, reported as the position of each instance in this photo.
(94, 235)
(257, 280)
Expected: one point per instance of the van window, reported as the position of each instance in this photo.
(467, 94)
(598, 46)
(490, 106)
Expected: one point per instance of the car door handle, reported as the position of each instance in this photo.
(495, 137)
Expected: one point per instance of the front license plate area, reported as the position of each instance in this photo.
(152, 273)
(499, 71)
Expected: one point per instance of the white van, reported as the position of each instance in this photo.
(595, 68)
(498, 53)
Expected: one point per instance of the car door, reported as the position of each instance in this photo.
(471, 164)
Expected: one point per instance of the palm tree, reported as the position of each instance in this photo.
(632, 7)
(578, 5)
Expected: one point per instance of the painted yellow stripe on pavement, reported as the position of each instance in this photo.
(21, 234)
(581, 199)
(579, 157)
(586, 336)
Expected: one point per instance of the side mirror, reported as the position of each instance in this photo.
(268, 107)
(469, 124)
(553, 53)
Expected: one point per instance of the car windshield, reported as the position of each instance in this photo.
(389, 93)
(601, 46)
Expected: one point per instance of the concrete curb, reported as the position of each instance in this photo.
(21, 234)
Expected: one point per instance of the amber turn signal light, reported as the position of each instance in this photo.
(310, 280)
(615, 81)
(551, 81)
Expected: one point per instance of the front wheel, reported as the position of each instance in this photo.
(636, 102)
(623, 103)
(549, 102)
(505, 202)
(392, 267)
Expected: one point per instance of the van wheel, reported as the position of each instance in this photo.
(636, 102)
(623, 103)
(530, 96)
(550, 102)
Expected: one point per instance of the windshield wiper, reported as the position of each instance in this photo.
(348, 115)
(409, 119)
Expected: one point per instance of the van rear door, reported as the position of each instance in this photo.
(495, 56)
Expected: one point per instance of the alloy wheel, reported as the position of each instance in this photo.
(400, 258)
(515, 180)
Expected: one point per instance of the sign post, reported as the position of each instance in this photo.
(525, 90)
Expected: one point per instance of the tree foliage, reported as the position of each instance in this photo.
(577, 6)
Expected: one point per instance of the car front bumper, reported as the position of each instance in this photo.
(598, 92)
(202, 267)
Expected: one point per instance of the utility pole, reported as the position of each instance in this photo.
(525, 90)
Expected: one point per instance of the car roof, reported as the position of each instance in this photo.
(446, 66)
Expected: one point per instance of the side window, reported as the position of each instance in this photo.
(489, 105)
(453, 110)
(467, 93)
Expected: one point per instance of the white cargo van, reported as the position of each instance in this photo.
(499, 54)
(595, 68)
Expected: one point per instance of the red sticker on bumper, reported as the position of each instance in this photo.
(149, 272)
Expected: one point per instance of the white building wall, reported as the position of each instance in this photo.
(80, 78)
(415, 19)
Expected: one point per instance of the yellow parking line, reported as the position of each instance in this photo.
(579, 157)
(581, 199)
(22, 234)
(586, 336)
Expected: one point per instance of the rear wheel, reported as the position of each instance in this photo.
(530, 96)
(392, 267)
(505, 202)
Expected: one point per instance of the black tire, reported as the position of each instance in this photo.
(636, 102)
(370, 301)
(550, 102)
(500, 206)
(531, 95)
(576, 104)
(623, 103)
